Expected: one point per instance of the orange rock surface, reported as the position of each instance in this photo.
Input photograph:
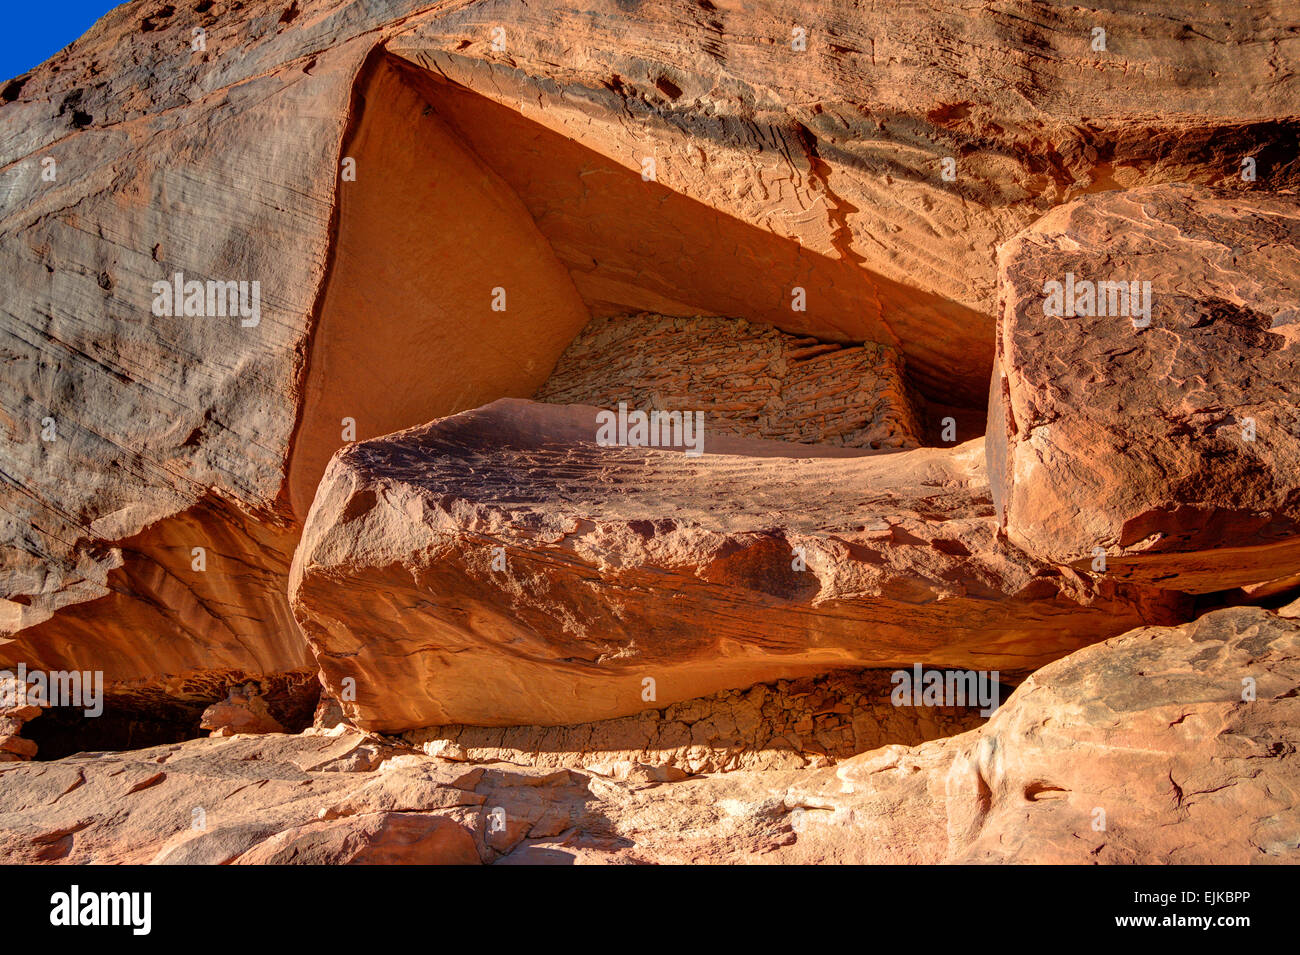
(1137, 750)
(1161, 428)
(367, 533)
(502, 567)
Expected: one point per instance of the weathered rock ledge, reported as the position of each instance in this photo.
(1159, 746)
(501, 567)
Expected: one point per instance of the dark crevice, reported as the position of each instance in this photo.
(13, 89)
(138, 722)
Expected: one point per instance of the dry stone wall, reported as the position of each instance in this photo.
(750, 380)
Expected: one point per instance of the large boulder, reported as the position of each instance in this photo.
(501, 566)
(1160, 746)
(1145, 410)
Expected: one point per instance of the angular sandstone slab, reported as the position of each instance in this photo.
(499, 567)
(1174, 446)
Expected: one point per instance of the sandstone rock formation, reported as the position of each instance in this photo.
(840, 147)
(748, 380)
(16, 710)
(281, 278)
(1168, 730)
(1157, 419)
(1151, 728)
(206, 590)
(503, 568)
(311, 149)
(794, 724)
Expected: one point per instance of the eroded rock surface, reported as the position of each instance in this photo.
(195, 607)
(433, 201)
(1185, 739)
(16, 710)
(749, 380)
(499, 567)
(1173, 446)
(793, 724)
(1151, 728)
(381, 169)
(824, 168)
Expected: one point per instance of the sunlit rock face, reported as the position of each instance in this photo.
(168, 500)
(1146, 399)
(1136, 750)
(504, 566)
(380, 170)
(331, 335)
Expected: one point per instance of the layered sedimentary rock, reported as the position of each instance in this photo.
(502, 567)
(749, 380)
(118, 418)
(194, 605)
(805, 146)
(163, 501)
(377, 167)
(427, 204)
(1145, 749)
(1146, 400)
(793, 724)
(15, 712)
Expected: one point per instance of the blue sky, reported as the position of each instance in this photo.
(35, 31)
